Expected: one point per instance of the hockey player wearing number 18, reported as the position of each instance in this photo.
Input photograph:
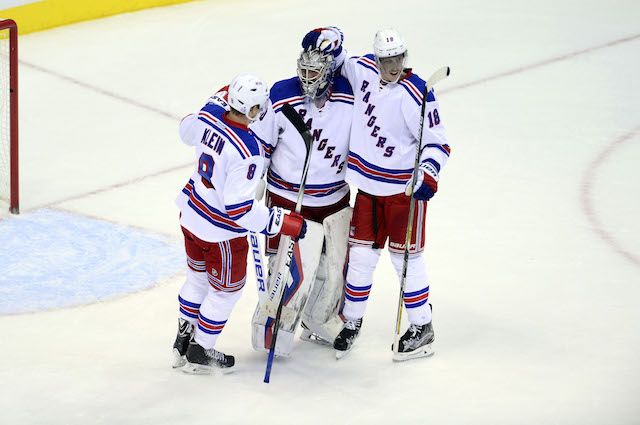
(382, 154)
(315, 286)
(217, 209)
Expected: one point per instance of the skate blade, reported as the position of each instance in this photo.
(311, 337)
(424, 351)
(178, 360)
(340, 354)
(198, 369)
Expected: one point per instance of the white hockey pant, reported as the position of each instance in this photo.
(362, 264)
(205, 307)
(416, 288)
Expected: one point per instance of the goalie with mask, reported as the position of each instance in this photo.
(315, 285)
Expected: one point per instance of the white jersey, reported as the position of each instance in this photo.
(329, 125)
(385, 129)
(218, 204)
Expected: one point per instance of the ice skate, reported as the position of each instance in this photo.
(203, 361)
(185, 329)
(348, 334)
(415, 343)
(310, 336)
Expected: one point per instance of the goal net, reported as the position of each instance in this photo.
(9, 114)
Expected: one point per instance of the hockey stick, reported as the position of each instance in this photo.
(268, 303)
(256, 250)
(283, 275)
(258, 265)
(440, 74)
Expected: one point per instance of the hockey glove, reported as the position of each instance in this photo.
(287, 223)
(328, 39)
(426, 184)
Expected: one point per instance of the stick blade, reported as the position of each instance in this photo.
(438, 75)
(297, 121)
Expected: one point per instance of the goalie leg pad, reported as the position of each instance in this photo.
(322, 308)
(416, 289)
(303, 269)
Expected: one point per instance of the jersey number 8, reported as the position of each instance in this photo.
(205, 167)
(251, 172)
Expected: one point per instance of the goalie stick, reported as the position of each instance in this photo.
(267, 301)
(283, 271)
(440, 74)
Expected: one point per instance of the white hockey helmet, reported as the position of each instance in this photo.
(247, 91)
(388, 42)
(390, 53)
(315, 72)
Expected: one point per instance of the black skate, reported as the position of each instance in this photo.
(185, 329)
(346, 337)
(308, 335)
(204, 361)
(415, 343)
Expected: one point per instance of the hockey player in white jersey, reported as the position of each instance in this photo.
(217, 209)
(325, 102)
(384, 134)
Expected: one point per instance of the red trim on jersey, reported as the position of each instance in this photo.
(187, 116)
(225, 96)
(287, 100)
(368, 61)
(230, 133)
(239, 211)
(205, 209)
(412, 87)
(363, 167)
(233, 123)
(409, 73)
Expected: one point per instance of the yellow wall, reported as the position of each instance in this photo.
(45, 14)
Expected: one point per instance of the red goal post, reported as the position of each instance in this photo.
(9, 114)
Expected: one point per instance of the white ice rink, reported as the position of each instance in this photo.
(533, 238)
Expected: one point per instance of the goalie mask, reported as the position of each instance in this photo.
(390, 54)
(315, 72)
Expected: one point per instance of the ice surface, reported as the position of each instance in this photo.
(533, 237)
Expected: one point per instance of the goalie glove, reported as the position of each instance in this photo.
(286, 223)
(328, 40)
(426, 183)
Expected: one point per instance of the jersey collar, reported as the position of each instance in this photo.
(409, 72)
(233, 123)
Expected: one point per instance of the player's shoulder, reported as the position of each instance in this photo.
(221, 98)
(245, 143)
(367, 61)
(341, 85)
(285, 89)
(414, 85)
(211, 113)
(341, 91)
(242, 139)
